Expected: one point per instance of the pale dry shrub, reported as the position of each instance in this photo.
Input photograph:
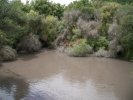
(113, 47)
(101, 53)
(29, 43)
(7, 53)
(114, 36)
(71, 17)
(89, 29)
(113, 30)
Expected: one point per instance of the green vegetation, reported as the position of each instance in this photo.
(102, 26)
(80, 48)
(127, 35)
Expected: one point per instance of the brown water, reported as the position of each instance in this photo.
(54, 76)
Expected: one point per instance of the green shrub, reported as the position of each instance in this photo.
(77, 34)
(47, 7)
(102, 42)
(99, 42)
(126, 28)
(108, 11)
(88, 13)
(12, 20)
(104, 29)
(123, 11)
(107, 14)
(34, 22)
(3, 38)
(79, 4)
(80, 48)
(50, 29)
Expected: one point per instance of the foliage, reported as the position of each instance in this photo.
(113, 31)
(83, 25)
(50, 29)
(99, 42)
(7, 53)
(88, 13)
(103, 29)
(12, 20)
(85, 7)
(48, 8)
(77, 34)
(3, 39)
(80, 48)
(80, 4)
(118, 1)
(27, 7)
(89, 29)
(102, 42)
(101, 53)
(29, 43)
(123, 11)
(108, 11)
(71, 17)
(34, 22)
(126, 28)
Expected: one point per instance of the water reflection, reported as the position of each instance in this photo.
(62, 89)
(12, 88)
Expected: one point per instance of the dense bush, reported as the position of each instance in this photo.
(7, 53)
(126, 28)
(89, 29)
(80, 48)
(3, 39)
(113, 31)
(12, 20)
(102, 42)
(101, 53)
(48, 8)
(77, 34)
(107, 14)
(108, 11)
(34, 21)
(85, 7)
(88, 13)
(123, 11)
(71, 17)
(119, 1)
(50, 29)
(80, 4)
(29, 43)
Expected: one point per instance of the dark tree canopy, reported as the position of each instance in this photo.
(48, 8)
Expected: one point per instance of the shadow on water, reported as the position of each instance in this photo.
(16, 88)
(12, 88)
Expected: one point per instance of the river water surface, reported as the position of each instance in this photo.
(54, 76)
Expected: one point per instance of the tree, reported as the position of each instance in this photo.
(12, 19)
(126, 28)
(48, 8)
(119, 1)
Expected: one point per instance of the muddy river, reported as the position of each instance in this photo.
(50, 75)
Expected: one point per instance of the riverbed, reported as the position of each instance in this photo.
(50, 75)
